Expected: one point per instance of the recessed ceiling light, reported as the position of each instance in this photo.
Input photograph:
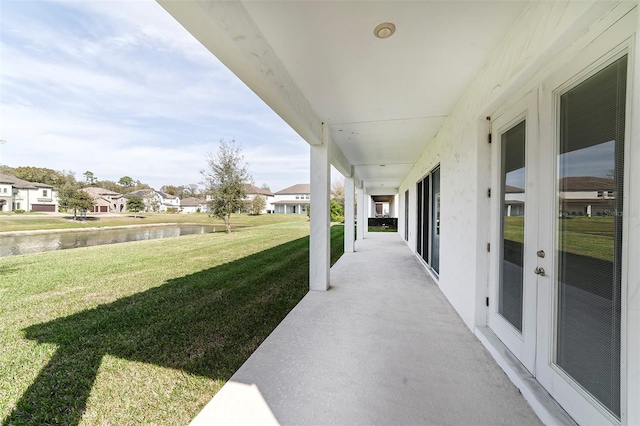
(384, 30)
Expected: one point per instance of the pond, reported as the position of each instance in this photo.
(11, 245)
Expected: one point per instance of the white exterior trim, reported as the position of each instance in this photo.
(319, 246)
(349, 238)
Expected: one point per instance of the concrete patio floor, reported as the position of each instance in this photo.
(382, 346)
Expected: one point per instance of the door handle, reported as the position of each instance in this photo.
(539, 271)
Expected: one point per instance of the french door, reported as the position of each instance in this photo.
(557, 253)
(579, 355)
(515, 230)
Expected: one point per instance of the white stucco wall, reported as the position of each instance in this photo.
(545, 36)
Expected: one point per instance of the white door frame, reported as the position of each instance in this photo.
(522, 345)
(610, 46)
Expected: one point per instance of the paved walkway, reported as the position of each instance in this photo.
(382, 346)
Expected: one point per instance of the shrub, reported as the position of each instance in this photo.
(19, 211)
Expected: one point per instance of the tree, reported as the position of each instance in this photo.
(257, 204)
(150, 199)
(76, 199)
(139, 185)
(225, 180)
(126, 181)
(181, 191)
(192, 190)
(56, 178)
(265, 187)
(89, 177)
(337, 192)
(135, 204)
(337, 212)
(171, 190)
(108, 184)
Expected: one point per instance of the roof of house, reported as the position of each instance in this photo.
(251, 189)
(300, 188)
(512, 189)
(291, 202)
(140, 193)
(192, 202)
(165, 195)
(586, 183)
(96, 191)
(22, 184)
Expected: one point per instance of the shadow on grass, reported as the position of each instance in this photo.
(206, 323)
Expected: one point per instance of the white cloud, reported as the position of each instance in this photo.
(119, 88)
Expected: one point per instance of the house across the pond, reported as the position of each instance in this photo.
(18, 194)
(157, 201)
(106, 201)
(292, 200)
(253, 191)
(193, 205)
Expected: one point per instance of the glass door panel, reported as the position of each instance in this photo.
(514, 242)
(425, 219)
(589, 233)
(435, 222)
(420, 218)
(512, 178)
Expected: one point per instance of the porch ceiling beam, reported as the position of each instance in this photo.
(382, 191)
(340, 162)
(228, 31)
(359, 184)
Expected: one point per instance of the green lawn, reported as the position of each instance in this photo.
(586, 236)
(143, 332)
(381, 229)
(15, 222)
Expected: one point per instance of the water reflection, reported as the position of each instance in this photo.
(24, 244)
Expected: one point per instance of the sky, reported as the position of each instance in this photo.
(120, 88)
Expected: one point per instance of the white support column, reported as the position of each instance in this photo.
(348, 215)
(319, 246)
(362, 219)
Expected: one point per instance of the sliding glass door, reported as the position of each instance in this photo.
(428, 223)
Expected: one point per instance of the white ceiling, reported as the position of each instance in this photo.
(384, 98)
(318, 62)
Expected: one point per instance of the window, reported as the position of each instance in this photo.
(297, 197)
(428, 232)
(589, 276)
(44, 192)
(406, 215)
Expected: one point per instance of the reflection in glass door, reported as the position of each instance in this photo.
(589, 233)
(514, 241)
(435, 222)
(512, 178)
